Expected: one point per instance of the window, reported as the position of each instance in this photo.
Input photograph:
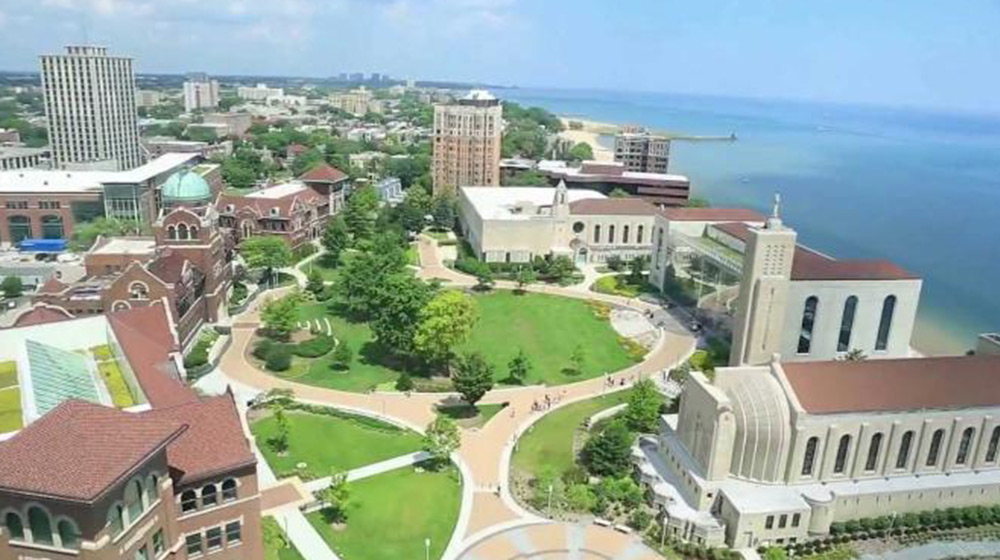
(19, 228)
(991, 450)
(874, 447)
(213, 538)
(597, 233)
(638, 235)
(964, 445)
(133, 500)
(17, 204)
(14, 526)
(189, 501)
(138, 290)
(48, 204)
(769, 522)
(611, 233)
(796, 519)
(625, 234)
(935, 450)
(68, 534)
(40, 525)
(903, 457)
(194, 232)
(229, 490)
(142, 553)
(171, 232)
(847, 324)
(152, 489)
(208, 496)
(782, 521)
(182, 232)
(808, 321)
(810, 456)
(578, 227)
(158, 546)
(116, 519)
(885, 323)
(840, 463)
(234, 532)
(193, 544)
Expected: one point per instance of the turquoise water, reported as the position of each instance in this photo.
(921, 189)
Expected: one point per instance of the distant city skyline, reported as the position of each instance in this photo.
(853, 51)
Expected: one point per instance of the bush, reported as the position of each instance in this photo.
(279, 358)
(240, 292)
(579, 497)
(314, 347)
(342, 356)
(303, 251)
(404, 383)
(639, 519)
(263, 348)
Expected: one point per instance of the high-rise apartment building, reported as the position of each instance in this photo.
(91, 108)
(467, 136)
(641, 151)
(200, 92)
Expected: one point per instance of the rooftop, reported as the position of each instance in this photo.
(712, 215)
(278, 191)
(59, 181)
(518, 203)
(612, 207)
(607, 170)
(126, 246)
(324, 173)
(895, 385)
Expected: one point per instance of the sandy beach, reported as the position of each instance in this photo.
(590, 134)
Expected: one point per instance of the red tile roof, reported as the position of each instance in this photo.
(896, 384)
(52, 286)
(295, 149)
(262, 206)
(147, 341)
(812, 265)
(323, 173)
(712, 215)
(79, 450)
(214, 441)
(168, 267)
(612, 207)
(40, 314)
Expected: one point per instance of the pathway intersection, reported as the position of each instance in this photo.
(490, 519)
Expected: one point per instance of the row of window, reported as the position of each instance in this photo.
(850, 310)
(159, 546)
(903, 455)
(211, 539)
(209, 496)
(139, 497)
(626, 233)
(182, 232)
(782, 521)
(19, 228)
(38, 529)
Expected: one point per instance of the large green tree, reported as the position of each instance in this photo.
(581, 151)
(361, 282)
(441, 439)
(335, 239)
(361, 213)
(519, 367)
(609, 453)
(396, 310)
(266, 251)
(642, 413)
(280, 316)
(473, 377)
(445, 323)
(443, 211)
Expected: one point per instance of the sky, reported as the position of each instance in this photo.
(919, 53)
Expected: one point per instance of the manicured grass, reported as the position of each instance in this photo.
(547, 328)
(326, 443)
(471, 416)
(391, 514)
(8, 374)
(412, 256)
(327, 269)
(619, 285)
(549, 442)
(111, 374)
(276, 544)
(437, 235)
(10, 410)
(102, 352)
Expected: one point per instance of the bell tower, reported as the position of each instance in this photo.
(763, 296)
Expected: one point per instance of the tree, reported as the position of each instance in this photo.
(642, 413)
(280, 316)
(335, 239)
(576, 360)
(336, 497)
(636, 267)
(529, 178)
(406, 169)
(484, 279)
(412, 212)
(267, 251)
(279, 442)
(560, 269)
(314, 281)
(696, 202)
(362, 281)
(519, 367)
(445, 322)
(525, 277)
(12, 286)
(775, 553)
(396, 311)
(581, 151)
(443, 211)
(609, 453)
(342, 355)
(441, 439)
(473, 377)
(361, 212)
(86, 233)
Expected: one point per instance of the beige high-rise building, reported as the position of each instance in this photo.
(467, 136)
(767, 272)
(91, 108)
(200, 92)
(641, 151)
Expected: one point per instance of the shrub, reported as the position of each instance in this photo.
(404, 383)
(239, 294)
(198, 356)
(342, 356)
(639, 519)
(575, 475)
(279, 358)
(303, 251)
(263, 348)
(314, 347)
(579, 497)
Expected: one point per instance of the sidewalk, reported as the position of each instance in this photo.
(371, 470)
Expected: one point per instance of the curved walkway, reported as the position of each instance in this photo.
(484, 455)
(552, 541)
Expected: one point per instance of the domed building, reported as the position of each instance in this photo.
(186, 187)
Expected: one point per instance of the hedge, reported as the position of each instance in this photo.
(279, 358)
(314, 347)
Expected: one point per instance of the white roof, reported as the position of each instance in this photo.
(479, 95)
(127, 246)
(511, 203)
(278, 191)
(59, 181)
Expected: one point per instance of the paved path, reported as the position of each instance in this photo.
(484, 455)
(552, 541)
(302, 534)
(371, 470)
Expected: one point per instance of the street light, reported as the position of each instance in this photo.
(427, 549)
(550, 499)
(663, 529)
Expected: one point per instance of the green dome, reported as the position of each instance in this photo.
(185, 186)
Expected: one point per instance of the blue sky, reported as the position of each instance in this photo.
(899, 52)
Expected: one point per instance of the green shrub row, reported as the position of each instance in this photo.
(364, 421)
(948, 518)
(277, 356)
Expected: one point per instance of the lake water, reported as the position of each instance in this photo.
(919, 188)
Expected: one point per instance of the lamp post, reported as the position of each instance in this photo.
(550, 500)
(427, 549)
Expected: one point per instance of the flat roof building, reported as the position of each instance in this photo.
(661, 189)
(466, 142)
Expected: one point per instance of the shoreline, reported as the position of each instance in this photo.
(589, 134)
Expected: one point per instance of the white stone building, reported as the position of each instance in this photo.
(200, 92)
(90, 104)
(260, 92)
(516, 224)
(773, 454)
(466, 145)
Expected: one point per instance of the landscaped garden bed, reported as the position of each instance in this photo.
(468, 416)
(113, 377)
(277, 546)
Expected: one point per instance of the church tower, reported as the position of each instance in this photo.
(767, 271)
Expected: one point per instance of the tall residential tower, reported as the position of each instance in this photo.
(200, 92)
(91, 108)
(467, 137)
(641, 151)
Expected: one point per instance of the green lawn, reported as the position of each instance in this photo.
(471, 416)
(619, 285)
(437, 235)
(114, 380)
(391, 514)
(327, 269)
(412, 256)
(10, 410)
(326, 442)
(276, 544)
(549, 442)
(8, 374)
